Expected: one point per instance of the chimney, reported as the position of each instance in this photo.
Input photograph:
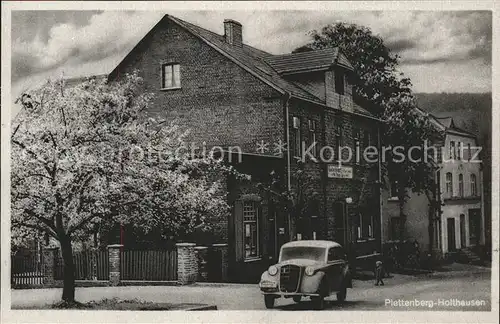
(233, 32)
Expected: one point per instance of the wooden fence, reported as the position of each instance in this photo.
(85, 262)
(26, 270)
(157, 265)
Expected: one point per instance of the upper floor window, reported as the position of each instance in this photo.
(296, 137)
(469, 151)
(339, 82)
(171, 76)
(312, 136)
(367, 138)
(473, 185)
(394, 189)
(460, 150)
(338, 134)
(251, 230)
(449, 183)
(461, 185)
(452, 150)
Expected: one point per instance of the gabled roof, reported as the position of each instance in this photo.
(254, 61)
(308, 61)
(446, 124)
(445, 121)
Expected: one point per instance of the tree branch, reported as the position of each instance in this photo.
(35, 156)
(48, 229)
(84, 221)
(42, 219)
(38, 227)
(23, 195)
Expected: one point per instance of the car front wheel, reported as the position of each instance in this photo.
(341, 295)
(269, 301)
(318, 302)
(297, 298)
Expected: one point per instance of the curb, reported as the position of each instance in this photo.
(222, 284)
(202, 308)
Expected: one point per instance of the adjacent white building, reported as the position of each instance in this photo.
(460, 224)
(460, 177)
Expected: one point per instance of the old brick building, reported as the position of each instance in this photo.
(231, 94)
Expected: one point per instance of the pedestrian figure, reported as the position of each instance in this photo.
(379, 273)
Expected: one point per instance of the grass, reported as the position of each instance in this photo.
(122, 304)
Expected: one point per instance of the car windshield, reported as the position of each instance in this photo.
(303, 252)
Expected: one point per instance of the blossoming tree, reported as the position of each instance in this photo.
(91, 152)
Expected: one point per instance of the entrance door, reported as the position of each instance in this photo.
(462, 230)
(474, 226)
(451, 234)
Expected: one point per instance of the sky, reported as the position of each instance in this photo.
(441, 51)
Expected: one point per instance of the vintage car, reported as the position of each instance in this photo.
(315, 269)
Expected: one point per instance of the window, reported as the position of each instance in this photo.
(452, 150)
(296, 139)
(439, 154)
(473, 185)
(470, 151)
(449, 184)
(367, 225)
(367, 139)
(394, 189)
(171, 76)
(460, 150)
(339, 82)
(358, 225)
(461, 185)
(338, 139)
(312, 137)
(357, 144)
(251, 230)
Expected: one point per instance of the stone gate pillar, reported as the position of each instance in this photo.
(114, 263)
(187, 265)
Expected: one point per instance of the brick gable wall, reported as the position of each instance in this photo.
(219, 101)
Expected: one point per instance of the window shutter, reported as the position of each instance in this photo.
(238, 229)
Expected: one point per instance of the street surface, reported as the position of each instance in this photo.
(442, 291)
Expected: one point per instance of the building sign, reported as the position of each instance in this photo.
(342, 172)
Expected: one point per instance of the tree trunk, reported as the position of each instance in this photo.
(69, 270)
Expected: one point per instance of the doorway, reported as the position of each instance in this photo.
(450, 223)
(462, 231)
(474, 226)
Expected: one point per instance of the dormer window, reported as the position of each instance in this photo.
(339, 82)
(170, 76)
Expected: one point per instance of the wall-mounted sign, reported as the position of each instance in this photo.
(282, 230)
(342, 172)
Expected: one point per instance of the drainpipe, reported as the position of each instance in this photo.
(287, 113)
(289, 186)
(380, 191)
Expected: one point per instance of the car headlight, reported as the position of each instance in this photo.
(309, 271)
(273, 270)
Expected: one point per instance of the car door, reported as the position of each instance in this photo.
(336, 264)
